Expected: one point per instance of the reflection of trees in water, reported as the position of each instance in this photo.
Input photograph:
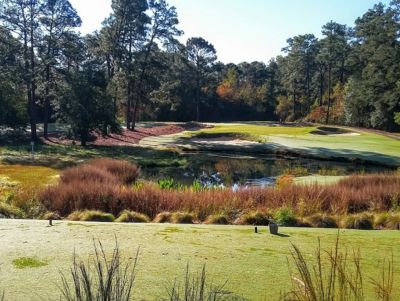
(237, 170)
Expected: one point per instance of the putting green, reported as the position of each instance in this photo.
(255, 265)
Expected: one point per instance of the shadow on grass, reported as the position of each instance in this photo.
(280, 150)
(61, 156)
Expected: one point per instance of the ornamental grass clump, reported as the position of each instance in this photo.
(132, 217)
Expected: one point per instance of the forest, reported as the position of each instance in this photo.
(135, 69)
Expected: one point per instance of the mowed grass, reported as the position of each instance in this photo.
(255, 265)
(254, 129)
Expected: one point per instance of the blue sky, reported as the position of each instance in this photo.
(244, 30)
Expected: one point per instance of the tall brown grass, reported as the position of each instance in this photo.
(359, 193)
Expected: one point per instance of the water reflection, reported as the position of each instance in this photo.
(227, 170)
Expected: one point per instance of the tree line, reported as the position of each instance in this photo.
(135, 68)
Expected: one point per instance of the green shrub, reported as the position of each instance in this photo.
(166, 184)
(256, 218)
(163, 217)
(196, 186)
(321, 221)
(217, 219)
(182, 218)
(91, 216)
(132, 217)
(285, 217)
(10, 211)
(362, 221)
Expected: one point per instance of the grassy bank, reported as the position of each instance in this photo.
(354, 145)
(255, 265)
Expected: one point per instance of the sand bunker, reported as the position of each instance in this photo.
(333, 131)
(224, 141)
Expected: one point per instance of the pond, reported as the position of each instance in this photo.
(229, 170)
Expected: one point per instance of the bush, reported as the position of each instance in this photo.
(132, 217)
(10, 211)
(362, 221)
(126, 172)
(321, 221)
(182, 218)
(285, 217)
(217, 219)
(256, 218)
(91, 216)
(163, 217)
(371, 193)
(284, 181)
(87, 173)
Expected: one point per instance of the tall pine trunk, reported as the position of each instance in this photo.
(46, 113)
(329, 95)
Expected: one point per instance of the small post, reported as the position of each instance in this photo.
(50, 222)
(255, 230)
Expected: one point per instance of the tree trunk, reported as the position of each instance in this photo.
(32, 108)
(321, 87)
(197, 99)
(128, 108)
(46, 113)
(329, 95)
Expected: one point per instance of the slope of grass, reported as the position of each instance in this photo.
(255, 265)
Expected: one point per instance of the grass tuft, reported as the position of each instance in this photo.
(182, 218)
(163, 217)
(112, 281)
(362, 221)
(321, 221)
(256, 218)
(132, 217)
(217, 219)
(91, 216)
